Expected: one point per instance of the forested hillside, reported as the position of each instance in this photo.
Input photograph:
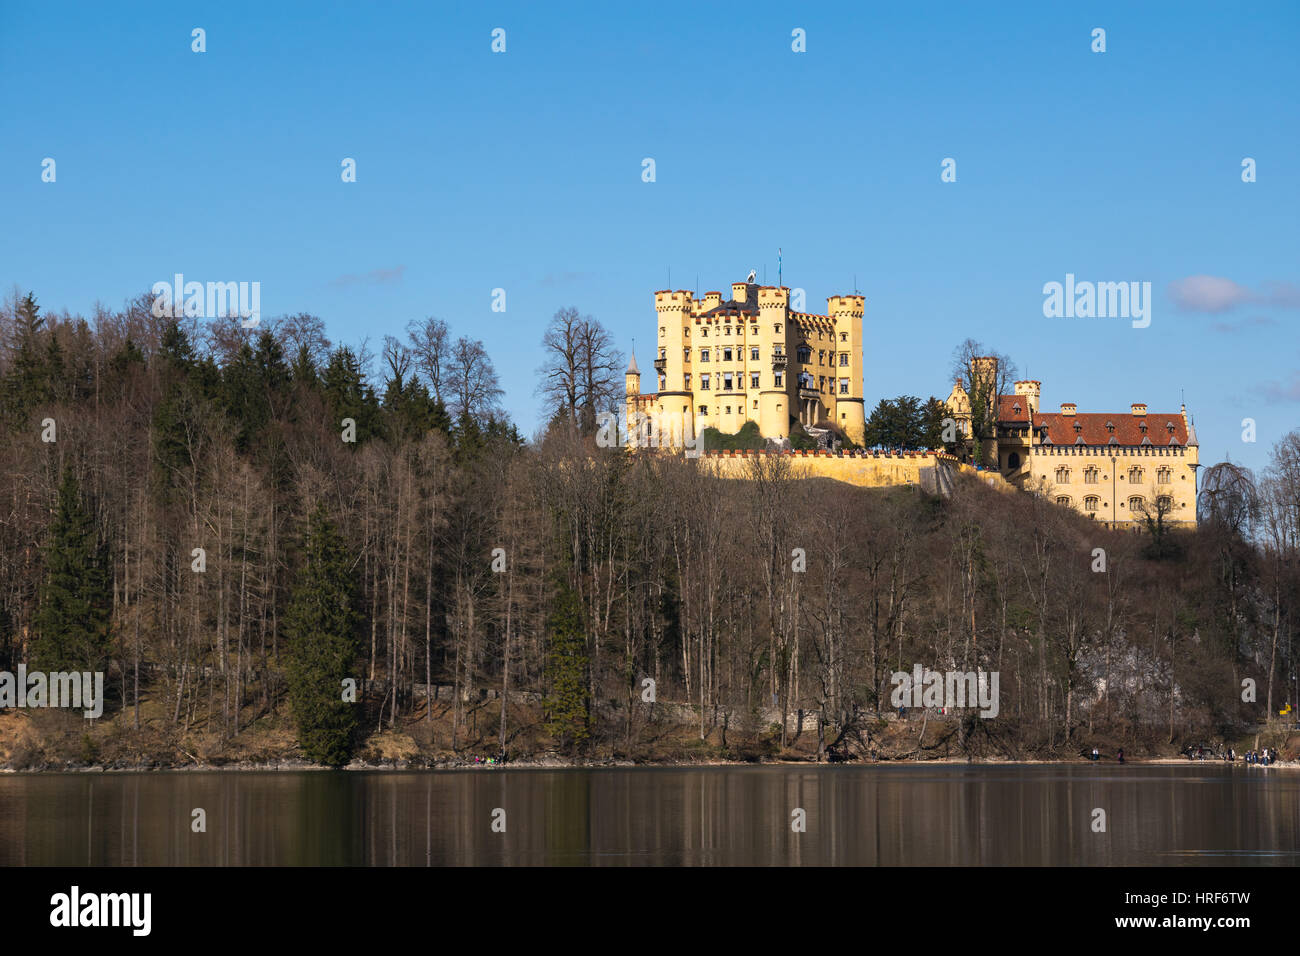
(234, 523)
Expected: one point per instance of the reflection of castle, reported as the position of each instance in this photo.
(1116, 467)
(750, 358)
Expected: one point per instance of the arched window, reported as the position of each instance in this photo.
(1137, 505)
(1135, 474)
(1063, 475)
(1063, 500)
(804, 353)
(1164, 475)
(1091, 503)
(1165, 504)
(1090, 474)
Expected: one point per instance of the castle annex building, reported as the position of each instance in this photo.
(721, 363)
(1116, 467)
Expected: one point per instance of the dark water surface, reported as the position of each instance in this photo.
(873, 815)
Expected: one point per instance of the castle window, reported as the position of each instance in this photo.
(1135, 474)
(844, 386)
(726, 355)
(1137, 503)
(1091, 503)
(1164, 476)
(686, 354)
(753, 380)
(844, 336)
(756, 403)
(1063, 475)
(728, 410)
(1090, 475)
(704, 383)
(704, 355)
(663, 383)
(663, 330)
(778, 377)
(778, 328)
(704, 409)
(821, 356)
(704, 332)
(753, 354)
(753, 330)
(686, 380)
(1165, 504)
(844, 358)
(726, 381)
(1063, 500)
(804, 354)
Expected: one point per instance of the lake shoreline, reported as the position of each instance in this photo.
(559, 763)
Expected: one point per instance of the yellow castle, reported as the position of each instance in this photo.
(1116, 467)
(722, 363)
(751, 358)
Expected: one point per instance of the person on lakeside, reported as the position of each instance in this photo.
(1121, 755)
(1095, 754)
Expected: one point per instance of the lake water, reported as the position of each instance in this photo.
(887, 815)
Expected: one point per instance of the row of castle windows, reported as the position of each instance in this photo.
(805, 356)
(729, 381)
(1135, 503)
(753, 330)
(704, 409)
(729, 354)
(1135, 474)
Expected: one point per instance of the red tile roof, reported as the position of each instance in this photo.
(1095, 428)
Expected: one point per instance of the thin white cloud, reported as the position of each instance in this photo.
(1216, 294)
(1276, 393)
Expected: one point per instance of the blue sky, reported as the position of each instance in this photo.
(522, 170)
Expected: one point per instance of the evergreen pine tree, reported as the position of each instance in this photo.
(321, 625)
(72, 623)
(566, 670)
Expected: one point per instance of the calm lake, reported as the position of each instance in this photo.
(1205, 814)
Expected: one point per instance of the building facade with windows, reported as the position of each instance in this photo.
(1115, 467)
(721, 363)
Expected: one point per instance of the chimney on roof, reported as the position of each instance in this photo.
(1139, 408)
(1068, 408)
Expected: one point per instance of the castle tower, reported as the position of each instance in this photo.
(984, 377)
(774, 402)
(672, 407)
(632, 380)
(632, 389)
(848, 408)
(1032, 391)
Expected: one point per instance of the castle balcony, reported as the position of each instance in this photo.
(810, 394)
(779, 360)
(661, 364)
